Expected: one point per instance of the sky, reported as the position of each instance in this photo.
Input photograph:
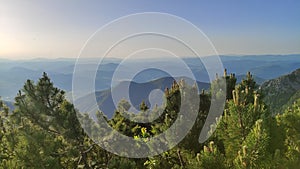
(59, 29)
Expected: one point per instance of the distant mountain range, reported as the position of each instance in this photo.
(137, 92)
(14, 73)
(279, 92)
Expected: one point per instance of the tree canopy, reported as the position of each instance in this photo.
(44, 131)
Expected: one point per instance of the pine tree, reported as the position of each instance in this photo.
(290, 121)
(49, 131)
(239, 119)
(7, 139)
(209, 157)
(143, 106)
(253, 153)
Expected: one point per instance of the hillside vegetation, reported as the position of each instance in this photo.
(44, 131)
(281, 91)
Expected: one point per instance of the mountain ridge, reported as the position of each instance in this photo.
(13, 76)
(138, 92)
(277, 92)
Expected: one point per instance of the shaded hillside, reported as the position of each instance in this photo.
(138, 92)
(280, 91)
(291, 101)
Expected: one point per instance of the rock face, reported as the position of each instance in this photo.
(278, 92)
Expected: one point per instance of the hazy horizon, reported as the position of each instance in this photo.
(155, 58)
(55, 29)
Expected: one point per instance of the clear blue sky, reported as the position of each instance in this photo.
(54, 28)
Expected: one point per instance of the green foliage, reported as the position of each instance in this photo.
(210, 157)
(7, 141)
(230, 84)
(290, 120)
(254, 151)
(290, 101)
(44, 131)
(143, 106)
(49, 129)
